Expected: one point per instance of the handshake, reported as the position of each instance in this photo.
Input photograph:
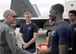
(42, 49)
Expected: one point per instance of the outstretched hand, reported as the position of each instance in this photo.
(43, 52)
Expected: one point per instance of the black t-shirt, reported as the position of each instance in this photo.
(27, 32)
(73, 29)
(60, 35)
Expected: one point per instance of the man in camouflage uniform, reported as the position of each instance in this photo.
(8, 43)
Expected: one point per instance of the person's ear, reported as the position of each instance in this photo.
(6, 17)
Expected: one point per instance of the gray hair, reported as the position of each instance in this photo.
(7, 13)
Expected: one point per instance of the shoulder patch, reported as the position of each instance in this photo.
(53, 32)
(11, 31)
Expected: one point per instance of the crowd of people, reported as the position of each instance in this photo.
(61, 39)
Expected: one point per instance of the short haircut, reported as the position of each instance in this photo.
(59, 8)
(27, 12)
(7, 13)
(73, 11)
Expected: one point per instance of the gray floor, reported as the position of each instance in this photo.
(40, 40)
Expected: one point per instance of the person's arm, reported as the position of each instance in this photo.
(10, 38)
(22, 41)
(64, 39)
(11, 41)
(63, 49)
(21, 38)
(35, 34)
(33, 39)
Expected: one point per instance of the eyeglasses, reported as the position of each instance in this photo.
(14, 16)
